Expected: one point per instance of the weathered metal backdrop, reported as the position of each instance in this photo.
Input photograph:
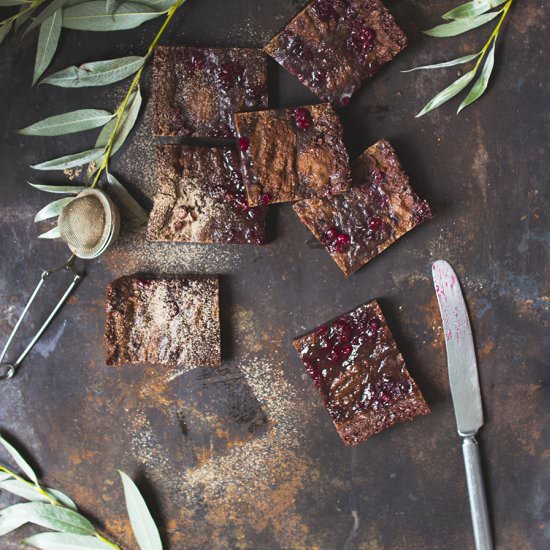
(245, 456)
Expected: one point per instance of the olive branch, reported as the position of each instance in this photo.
(94, 15)
(53, 510)
(463, 18)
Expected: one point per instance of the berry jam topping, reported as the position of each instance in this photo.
(376, 224)
(229, 72)
(387, 391)
(198, 62)
(244, 144)
(265, 199)
(326, 11)
(303, 118)
(361, 39)
(378, 176)
(341, 244)
(331, 234)
(344, 100)
(422, 212)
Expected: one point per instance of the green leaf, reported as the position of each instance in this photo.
(10, 523)
(68, 189)
(10, 3)
(158, 5)
(92, 16)
(448, 93)
(145, 530)
(48, 11)
(65, 541)
(128, 120)
(53, 209)
(110, 6)
(120, 193)
(5, 30)
(52, 517)
(478, 89)
(68, 123)
(30, 492)
(69, 161)
(473, 8)
(19, 460)
(451, 63)
(48, 38)
(4, 476)
(461, 25)
(51, 234)
(96, 73)
(24, 17)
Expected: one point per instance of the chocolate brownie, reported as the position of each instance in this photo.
(291, 154)
(163, 321)
(331, 46)
(201, 198)
(381, 206)
(361, 375)
(197, 90)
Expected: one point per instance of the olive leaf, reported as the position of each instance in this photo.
(66, 541)
(4, 31)
(143, 525)
(110, 6)
(129, 117)
(461, 25)
(4, 476)
(158, 5)
(48, 38)
(479, 87)
(448, 93)
(92, 16)
(19, 460)
(451, 63)
(53, 209)
(10, 523)
(68, 123)
(48, 11)
(127, 201)
(471, 9)
(68, 189)
(10, 3)
(32, 493)
(69, 161)
(53, 233)
(96, 73)
(23, 16)
(50, 516)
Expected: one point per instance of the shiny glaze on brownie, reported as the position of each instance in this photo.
(356, 365)
(331, 46)
(201, 198)
(291, 154)
(197, 90)
(359, 224)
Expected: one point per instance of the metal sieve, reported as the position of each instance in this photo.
(88, 224)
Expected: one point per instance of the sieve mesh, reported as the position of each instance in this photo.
(82, 223)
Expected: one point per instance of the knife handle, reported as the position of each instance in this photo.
(476, 493)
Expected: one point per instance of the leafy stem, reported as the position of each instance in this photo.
(466, 17)
(135, 84)
(31, 6)
(36, 486)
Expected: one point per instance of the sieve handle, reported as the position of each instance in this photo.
(8, 369)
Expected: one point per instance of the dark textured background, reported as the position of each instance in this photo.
(245, 456)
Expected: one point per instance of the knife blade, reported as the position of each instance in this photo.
(461, 356)
(465, 392)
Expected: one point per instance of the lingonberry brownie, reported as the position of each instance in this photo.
(380, 207)
(163, 321)
(332, 46)
(291, 154)
(201, 198)
(197, 90)
(360, 373)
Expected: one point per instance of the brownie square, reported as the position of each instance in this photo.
(201, 198)
(197, 90)
(331, 46)
(381, 206)
(291, 154)
(360, 373)
(163, 321)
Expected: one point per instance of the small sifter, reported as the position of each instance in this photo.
(88, 224)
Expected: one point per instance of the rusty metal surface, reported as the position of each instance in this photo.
(245, 456)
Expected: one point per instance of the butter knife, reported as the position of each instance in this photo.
(465, 391)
